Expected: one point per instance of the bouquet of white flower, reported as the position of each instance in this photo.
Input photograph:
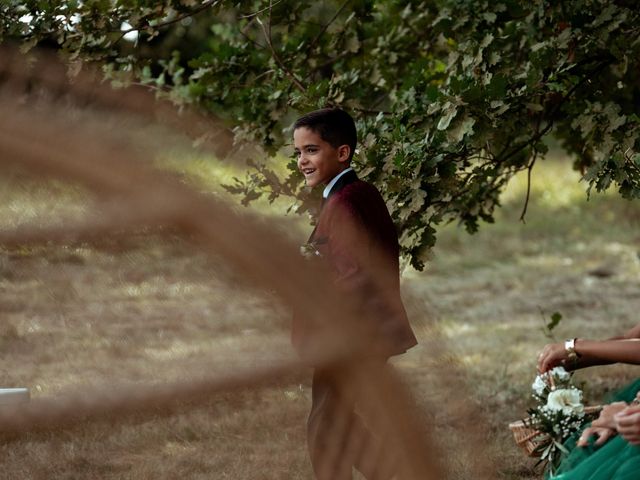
(559, 413)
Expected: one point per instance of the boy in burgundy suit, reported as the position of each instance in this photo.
(357, 239)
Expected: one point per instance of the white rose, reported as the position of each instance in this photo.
(560, 373)
(569, 400)
(538, 385)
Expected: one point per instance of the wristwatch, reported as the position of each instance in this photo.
(570, 348)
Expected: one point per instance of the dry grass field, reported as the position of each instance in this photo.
(156, 309)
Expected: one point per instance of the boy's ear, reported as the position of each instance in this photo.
(343, 153)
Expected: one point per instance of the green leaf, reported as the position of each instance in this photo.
(555, 320)
(497, 88)
(462, 128)
(450, 112)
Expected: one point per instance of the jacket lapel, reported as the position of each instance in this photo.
(342, 182)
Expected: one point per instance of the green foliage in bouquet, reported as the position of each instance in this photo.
(452, 97)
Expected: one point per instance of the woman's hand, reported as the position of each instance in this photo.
(602, 433)
(606, 418)
(628, 424)
(552, 355)
(604, 427)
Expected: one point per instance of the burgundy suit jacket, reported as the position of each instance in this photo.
(357, 238)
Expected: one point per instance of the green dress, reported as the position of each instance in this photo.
(615, 460)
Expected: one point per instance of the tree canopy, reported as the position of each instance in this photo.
(451, 97)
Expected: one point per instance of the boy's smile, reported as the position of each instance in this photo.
(318, 160)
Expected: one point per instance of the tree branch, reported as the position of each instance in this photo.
(528, 195)
(190, 13)
(553, 113)
(255, 14)
(327, 25)
(243, 32)
(368, 111)
(529, 170)
(328, 63)
(276, 57)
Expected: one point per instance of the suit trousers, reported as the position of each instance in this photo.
(337, 434)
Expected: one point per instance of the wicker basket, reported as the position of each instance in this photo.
(528, 438)
(525, 437)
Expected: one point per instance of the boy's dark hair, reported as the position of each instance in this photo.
(335, 126)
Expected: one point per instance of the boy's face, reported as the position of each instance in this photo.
(318, 160)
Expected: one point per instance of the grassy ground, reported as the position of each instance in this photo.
(158, 310)
(491, 292)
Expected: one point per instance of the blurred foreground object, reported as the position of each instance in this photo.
(11, 396)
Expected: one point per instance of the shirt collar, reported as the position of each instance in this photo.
(327, 189)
